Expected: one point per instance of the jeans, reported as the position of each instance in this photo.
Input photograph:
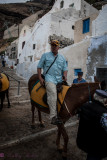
(51, 98)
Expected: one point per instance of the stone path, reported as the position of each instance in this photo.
(15, 122)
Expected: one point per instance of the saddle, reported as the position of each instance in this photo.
(59, 90)
(39, 96)
(5, 82)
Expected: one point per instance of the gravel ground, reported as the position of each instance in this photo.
(15, 123)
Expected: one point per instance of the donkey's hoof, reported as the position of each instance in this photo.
(60, 148)
(64, 156)
(0, 109)
(42, 125)
(33, 126)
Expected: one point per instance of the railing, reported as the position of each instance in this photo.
(14, 79)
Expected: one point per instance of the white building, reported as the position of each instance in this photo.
(99, 25)
(59, 24)
(15, 29)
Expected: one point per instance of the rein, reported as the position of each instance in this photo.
(67, 109)
(89, 93)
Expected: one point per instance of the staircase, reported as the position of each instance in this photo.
(21, 96)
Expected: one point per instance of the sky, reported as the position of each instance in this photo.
(12, 1)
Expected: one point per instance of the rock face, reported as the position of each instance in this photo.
(15, 13)
(64, 42)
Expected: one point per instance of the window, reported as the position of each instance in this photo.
(86, 25)
(30, 58)
(13, 49)
(24, 33)
(76, 71)
(34, 46)
(23, 43)
(71, 5)
(62, 4)
(73, 27)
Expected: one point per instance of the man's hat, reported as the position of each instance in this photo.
(80, 73)
(101, 93)
(55, 42)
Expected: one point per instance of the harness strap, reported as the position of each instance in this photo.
(67, 109)
(89, 93)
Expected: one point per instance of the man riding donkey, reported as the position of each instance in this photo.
(54, 70)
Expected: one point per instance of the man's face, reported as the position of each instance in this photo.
(54, 48)
(79, 76)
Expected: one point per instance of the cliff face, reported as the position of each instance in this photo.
(15, 13)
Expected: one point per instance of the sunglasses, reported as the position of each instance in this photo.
(53, 45)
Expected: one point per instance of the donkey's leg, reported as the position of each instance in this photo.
(33, 121)
(1, 105)
(65, 137)
(59, 147)
(40, 119)
(7, 95)
(2, 99)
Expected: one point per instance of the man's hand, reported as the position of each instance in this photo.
(42, 81)
(64, 78)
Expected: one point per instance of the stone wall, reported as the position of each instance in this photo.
(64, 42)
(97, 58)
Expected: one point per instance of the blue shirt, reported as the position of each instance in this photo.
(55, 73)
(76, 81)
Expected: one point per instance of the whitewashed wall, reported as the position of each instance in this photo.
(77, 57)
(39, 36)
(67, 3)
(23, 37)
(97, 56)
(99, 25)
(25, 71)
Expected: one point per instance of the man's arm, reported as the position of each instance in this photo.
(40, 77)
(39, 69)
(65, 75)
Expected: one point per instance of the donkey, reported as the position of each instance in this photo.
(76, 95)
(4, 89)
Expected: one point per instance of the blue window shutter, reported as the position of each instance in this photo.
(86, 25)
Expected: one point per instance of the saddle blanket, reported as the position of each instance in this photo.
(38, 93)
(5, 82)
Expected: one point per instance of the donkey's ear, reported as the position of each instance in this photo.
(95, 79)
